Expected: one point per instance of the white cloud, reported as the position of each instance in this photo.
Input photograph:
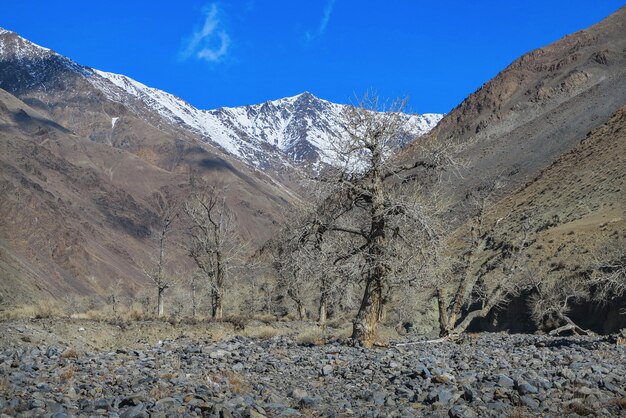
(211, 42)
(326, 16)
(321, 28)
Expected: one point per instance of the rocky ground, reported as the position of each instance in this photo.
(190, 375)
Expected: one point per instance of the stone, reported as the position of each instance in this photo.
(529, 402)
(461, 411)
(526, 388)
(219, 354)
(36, 403)
(505, 381)
(298, 394)
(327, 370)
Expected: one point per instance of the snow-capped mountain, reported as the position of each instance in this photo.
(302, 127)
(293, 129)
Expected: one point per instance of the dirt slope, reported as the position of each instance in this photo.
(76, 214)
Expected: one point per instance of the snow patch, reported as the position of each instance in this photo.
(113, 122)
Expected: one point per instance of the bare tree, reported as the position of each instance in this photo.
(465, 274)
(167, 210)
(555, 294)
(552, 300)
(215, 244)
(609, 278)
(380, 228)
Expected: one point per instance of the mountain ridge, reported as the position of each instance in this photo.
(283, 131)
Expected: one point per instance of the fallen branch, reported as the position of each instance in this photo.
(451, 338)
(570, 327)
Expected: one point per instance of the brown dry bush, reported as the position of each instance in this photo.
(69, 353)
(619, 402)
(66, 373)
(236, 383)
(578, 409)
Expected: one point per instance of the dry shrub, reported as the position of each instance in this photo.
(578, 409)
(69, 353)
(66, 373)
(236, 383)
(619, 402)
(310, 336)
(263, 332)
(518, 412)
(48, 308)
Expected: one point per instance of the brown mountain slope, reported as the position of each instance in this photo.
(76, 214)
(539, 107)
(574, 213)
(576, 206)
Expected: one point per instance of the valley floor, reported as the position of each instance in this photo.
(85, 368)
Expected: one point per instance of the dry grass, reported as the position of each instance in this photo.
(46, 308)
(310, 336)
(263, 332)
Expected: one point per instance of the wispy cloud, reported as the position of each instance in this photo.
(321, 28)
(211, 41)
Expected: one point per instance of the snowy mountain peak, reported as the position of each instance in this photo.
(296, 128)
(283, 131)
(14, 46)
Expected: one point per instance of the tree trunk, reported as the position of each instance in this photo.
(493, 299)
(219, 287)
(194, 300)
(301, 311)
(323, 309)
(442, 303)
(160, 302)
(364, 325)
(381, 310)
(217, 310)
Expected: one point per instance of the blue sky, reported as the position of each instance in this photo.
(230, 53)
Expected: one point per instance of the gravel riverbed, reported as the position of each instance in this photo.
(487, 375)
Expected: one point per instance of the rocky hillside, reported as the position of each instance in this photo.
(538, 108)
(549, 129)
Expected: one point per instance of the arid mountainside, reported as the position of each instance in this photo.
(85, 154)
(575, 215)
(77, 214)
(539, 107)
